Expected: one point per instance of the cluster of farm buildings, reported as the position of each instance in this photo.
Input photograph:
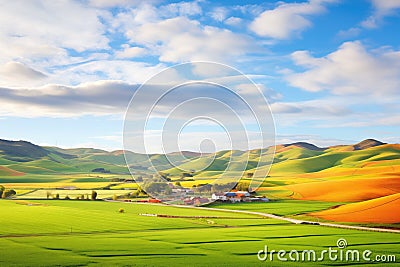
(189, 198)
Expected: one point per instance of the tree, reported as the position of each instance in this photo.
(8, 193)
(241, 186)
(155, 187)
(2, 188)
(67, 197)
(249, 175)
(186, 174)
(135, 194)
(115, 197)
(163, 175)
(94, 195)
(57, 196)
(140, 191)
(178, 183)
(48, 194)
(207, 187)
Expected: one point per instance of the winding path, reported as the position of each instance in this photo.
(277, 217)
(296, 221)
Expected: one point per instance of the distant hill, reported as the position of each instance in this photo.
(22, 157)
(304, 145)
(367, 143)
(23, 151)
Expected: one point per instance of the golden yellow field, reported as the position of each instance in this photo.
(379, 210)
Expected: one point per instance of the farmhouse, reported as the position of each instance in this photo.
(196, 200)
(218, 196)
(238, 196)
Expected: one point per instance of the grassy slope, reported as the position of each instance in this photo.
(378, 210)
(290, 160)
(280, 207)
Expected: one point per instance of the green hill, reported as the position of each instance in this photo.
(21, 157)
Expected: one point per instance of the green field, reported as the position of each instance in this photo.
(42, 193)
(39, 232)
(280, 207)
(81, 233)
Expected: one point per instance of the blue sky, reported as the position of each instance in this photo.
(329, 68)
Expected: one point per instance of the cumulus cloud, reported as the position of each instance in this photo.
(180, 39)
(382, 8)
(352, 69)
(287, 19)
(45, 28)
(16, 73)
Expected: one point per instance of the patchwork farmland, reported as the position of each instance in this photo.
(354, 185)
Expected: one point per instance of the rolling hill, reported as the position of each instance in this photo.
(378, 210)
(18, 157)
(366, 175)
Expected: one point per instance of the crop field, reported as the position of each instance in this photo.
(95, 233)
(42, 193)
(281, 207)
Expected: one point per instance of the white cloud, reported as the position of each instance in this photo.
(182, 9)
(123, 70)
(350, 70)
(17, 74)
(382, 8)
(114, 3)
(285, 108)
(233, 21)
(191, 141)
(219, 13)
(36, 29)
(112, 98)
(131, 52)
(181, 39)
(251, 90)
(386, 5)
(371, 120)
(99, 98)
(312, 109)
(287, 19)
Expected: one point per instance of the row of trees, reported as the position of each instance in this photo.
(201, 188)
(93, 196)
